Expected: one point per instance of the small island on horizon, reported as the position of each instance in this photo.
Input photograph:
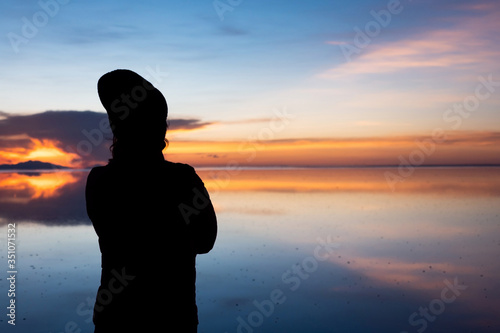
(33, 165)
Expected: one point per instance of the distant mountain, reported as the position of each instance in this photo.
(32, 165)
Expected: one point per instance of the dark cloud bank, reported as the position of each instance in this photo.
(85, 133)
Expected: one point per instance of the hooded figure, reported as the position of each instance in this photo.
(152, 217)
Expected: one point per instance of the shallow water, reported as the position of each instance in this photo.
(299, 250)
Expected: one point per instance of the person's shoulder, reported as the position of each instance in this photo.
(179, 167)
(183, 173)
(96, 172)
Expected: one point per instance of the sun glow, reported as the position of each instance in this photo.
(41, 150)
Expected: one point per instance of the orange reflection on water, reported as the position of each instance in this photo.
(435, 181)
(294, 180)
(439, 224)
(17, 187)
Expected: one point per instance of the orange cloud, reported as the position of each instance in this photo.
(457, 148)
(42, 150)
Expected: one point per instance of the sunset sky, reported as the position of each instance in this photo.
(260, 83)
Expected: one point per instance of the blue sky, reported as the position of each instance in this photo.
(258, 47)
(263, 55)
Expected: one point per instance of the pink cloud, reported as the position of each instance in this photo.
(467, 45)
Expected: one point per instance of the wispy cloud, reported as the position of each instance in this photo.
(99, 33)
(247, 121)
(181, 124)
(230, 30)
(466, 44)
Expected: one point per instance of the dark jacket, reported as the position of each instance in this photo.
(152, 220)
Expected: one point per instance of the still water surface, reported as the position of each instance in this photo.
(299, 250)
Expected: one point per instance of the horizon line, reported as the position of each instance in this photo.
(268, 167)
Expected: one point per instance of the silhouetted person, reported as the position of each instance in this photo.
(152, 217)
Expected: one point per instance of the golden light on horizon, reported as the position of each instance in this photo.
(452, 148)
(439, 181)
(463, 148)
(44, 150)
